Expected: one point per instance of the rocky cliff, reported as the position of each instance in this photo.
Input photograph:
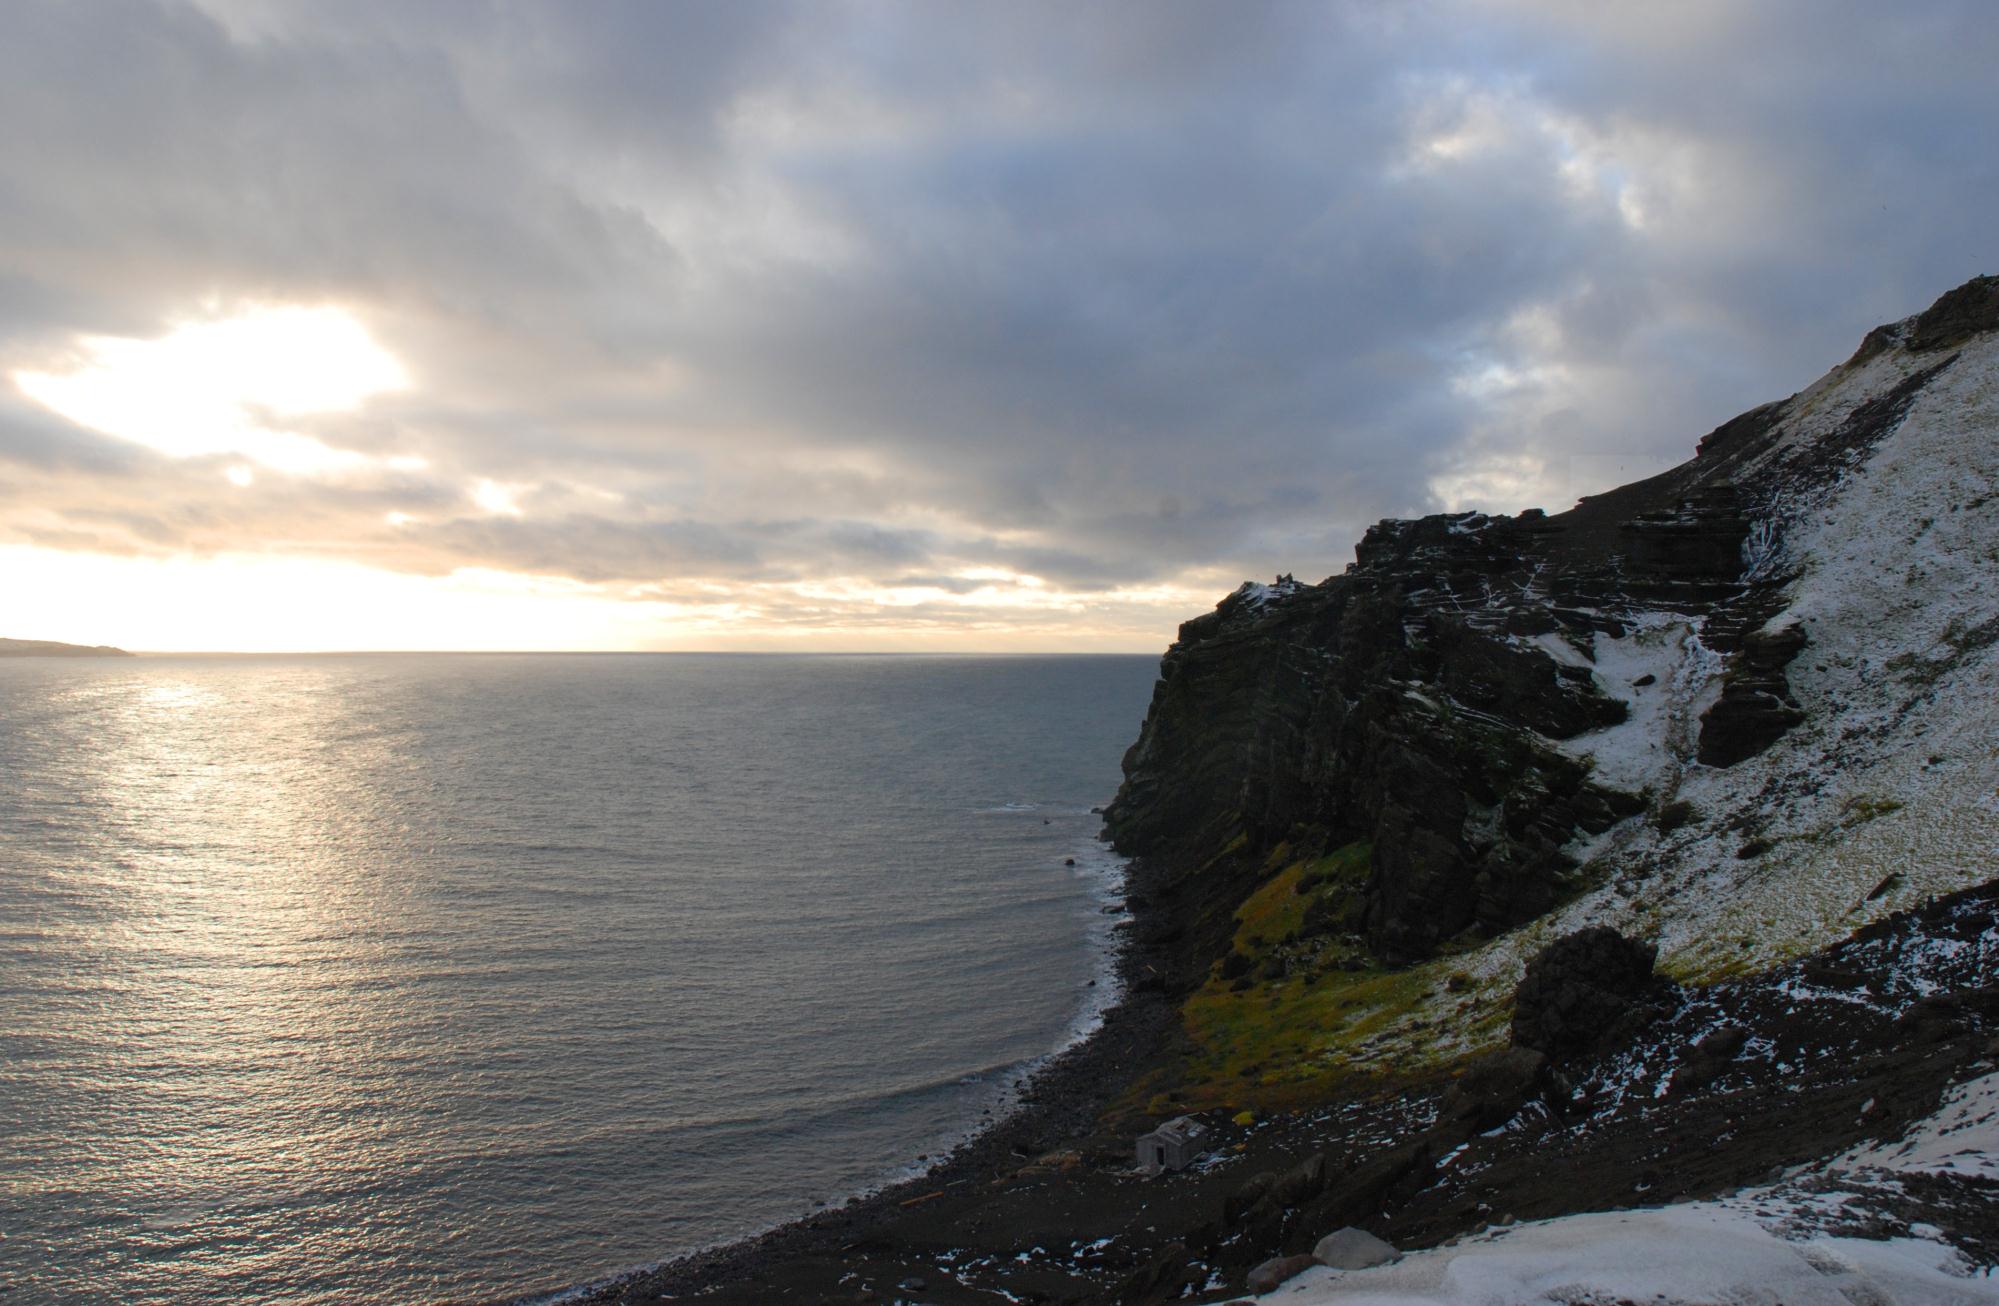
(1740, 707)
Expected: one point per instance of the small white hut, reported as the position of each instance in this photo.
(1175, 1145)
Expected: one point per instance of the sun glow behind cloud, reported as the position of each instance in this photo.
(229, 389)
(225, 386)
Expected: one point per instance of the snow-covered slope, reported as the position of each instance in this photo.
(1799, 1242)
(1888, 791)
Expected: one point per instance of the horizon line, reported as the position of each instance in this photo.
(619, 652)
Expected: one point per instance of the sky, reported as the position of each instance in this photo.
(904, 326)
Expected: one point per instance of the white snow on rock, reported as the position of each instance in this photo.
(1772, 1246)
(1961, 1138)
(1257, 595)
(1649, 748)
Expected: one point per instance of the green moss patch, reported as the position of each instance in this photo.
(1303, 1005)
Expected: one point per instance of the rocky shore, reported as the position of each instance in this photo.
(1710, 1091)
(1535, 865)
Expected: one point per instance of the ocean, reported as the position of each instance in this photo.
(428, 977)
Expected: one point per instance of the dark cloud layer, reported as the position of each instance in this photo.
(1127, 298)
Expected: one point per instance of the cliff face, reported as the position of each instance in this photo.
(1500, 705)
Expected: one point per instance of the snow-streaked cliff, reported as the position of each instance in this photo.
(1742, 708)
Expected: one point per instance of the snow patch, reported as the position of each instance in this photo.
(1257, 595)
(1763, 1245)
(1658, 736)
(1698, 1253)
(1961, 1138)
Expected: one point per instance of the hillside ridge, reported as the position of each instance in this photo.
(49, 648)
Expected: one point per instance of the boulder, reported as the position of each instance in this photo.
(1707, 1060)
(1584, 992)
(1494, 1087)
(1277, 1271)
(1158, 1279)
(1238, 1203)
(1362, 1193)
(1301, 1182)
(1941, 1016)
(1353, 1249)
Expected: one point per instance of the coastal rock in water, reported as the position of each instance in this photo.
(1353, 1249)
(1582, 992)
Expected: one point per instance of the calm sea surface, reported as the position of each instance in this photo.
(409, 978)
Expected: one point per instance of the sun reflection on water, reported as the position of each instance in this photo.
(256, 921)
(393, 979)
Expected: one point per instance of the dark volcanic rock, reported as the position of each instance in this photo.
(1707, 1060)
(1380, 712)
(1409, 704)
(1160, 1278)
(1583, 991)
(1962, 313)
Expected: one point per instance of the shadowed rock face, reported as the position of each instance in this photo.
(1755, 707)
(1415, 702)
(1412, 703)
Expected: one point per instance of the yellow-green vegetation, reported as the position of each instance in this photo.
(1861, 810)
(1307, 1006)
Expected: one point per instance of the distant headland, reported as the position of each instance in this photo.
(48, 648)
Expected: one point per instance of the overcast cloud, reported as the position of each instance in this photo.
(1044, 318)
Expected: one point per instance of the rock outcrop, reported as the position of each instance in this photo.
(1584, 991)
